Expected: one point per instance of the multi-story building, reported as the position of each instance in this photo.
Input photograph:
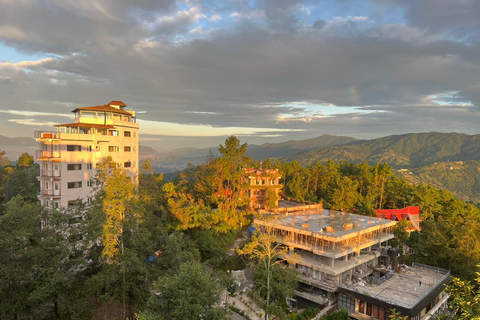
(260, 182)
(68, 156)
(344, 259)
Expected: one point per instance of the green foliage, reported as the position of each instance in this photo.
(36, 279)
(23, 181)
(465, 298)
(25, 160)
(397, 315)
(274, 281)
(341, 314)
(189, 294)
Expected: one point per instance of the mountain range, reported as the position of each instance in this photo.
(447, 160)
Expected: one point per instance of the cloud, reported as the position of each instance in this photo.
(191, 130)
(32, 122)
(35, 113)
(165, 58)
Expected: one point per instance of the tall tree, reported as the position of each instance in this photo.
(232, 188)
(275, 281)
(190, 294)
(25, 160)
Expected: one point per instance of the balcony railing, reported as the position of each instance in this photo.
(50, 173)
(50, 193)
(41, 154)
(46, 135)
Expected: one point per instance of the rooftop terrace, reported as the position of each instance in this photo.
(327, 223)
(406, 288)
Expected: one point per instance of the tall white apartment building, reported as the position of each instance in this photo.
(68, 156)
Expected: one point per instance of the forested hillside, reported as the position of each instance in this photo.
(400, 151)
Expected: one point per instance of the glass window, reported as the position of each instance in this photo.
(74, 184)
(74, 166)
(72, 147)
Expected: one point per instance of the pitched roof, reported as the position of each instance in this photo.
(104, 108)
(87, 125)
(117, 103)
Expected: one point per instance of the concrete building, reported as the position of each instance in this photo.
(344, 259)
(260, 181)
(68, 156)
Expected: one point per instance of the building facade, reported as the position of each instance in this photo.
(260, 182)
(68, 157)
(343, 259)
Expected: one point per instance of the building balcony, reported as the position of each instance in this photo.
(50, 174)
(50, 193)
(46, 135)
(42, 155)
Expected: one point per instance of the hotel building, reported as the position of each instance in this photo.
(68, 156)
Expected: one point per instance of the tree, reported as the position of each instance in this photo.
(36, 278)
(121, 218)
(190, 294)
(465, 298)
(341, 314)
(23, 181)
(232, 188)
(397, 315)
(25, 160)
(274, 280)
(4, 159)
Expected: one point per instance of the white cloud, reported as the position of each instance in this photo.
(35, 113)
(214, 18)
(32, 122)
(192, 130)
(248, 15)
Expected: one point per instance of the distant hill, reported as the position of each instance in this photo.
(179, 159)
(408, 150)
(284, 149)
(14, 147)
(460, 177)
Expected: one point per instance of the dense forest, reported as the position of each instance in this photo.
(158, 250)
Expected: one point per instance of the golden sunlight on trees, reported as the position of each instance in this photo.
(274, 281)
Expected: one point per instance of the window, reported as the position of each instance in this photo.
(127, 164)
(89, 183)
(113, 133)
(127, 134)
(127, 149)
(56, 167)
(346, 302)
(97, 148)
(89, 200)
(55, 147)
(56, 204)
(74, 184)
(369, 309)
(46, 166)
(47, 203)
(56, 186)
(72, 203)
(74, 147)
(74, 166)
(113, 148)
(89, 166)
(375, 312)
(89, 148)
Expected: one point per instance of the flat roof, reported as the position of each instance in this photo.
(336, 225)
(407, 288)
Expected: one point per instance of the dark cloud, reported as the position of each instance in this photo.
(243, 74)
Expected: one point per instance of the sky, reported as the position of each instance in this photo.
(265, 71)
